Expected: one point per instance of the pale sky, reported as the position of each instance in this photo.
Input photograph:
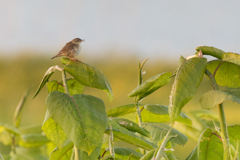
(149, 28)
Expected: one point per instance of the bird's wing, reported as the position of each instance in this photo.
(68, 47)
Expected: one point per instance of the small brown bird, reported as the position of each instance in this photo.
(71, 49)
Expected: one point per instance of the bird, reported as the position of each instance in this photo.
(71, 49)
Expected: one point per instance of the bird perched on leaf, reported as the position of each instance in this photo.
(71, 49)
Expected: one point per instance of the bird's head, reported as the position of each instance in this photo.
(77, 40)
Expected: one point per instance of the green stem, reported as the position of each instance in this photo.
(223, 122)
(65, 82)
(111, 149)
(139, 114)
(161, 148)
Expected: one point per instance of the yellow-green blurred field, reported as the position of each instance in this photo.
(25, 70)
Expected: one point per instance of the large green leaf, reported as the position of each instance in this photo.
(193, 155)
(159, 130)
(64, 153)
(45, 79)
(131, 126)
(33, 140)
(148, 155)
(124, 153)
(129, 137)
(226, 74)
(82, 117)
(231, 57)
(210, 146)
(54, 132)
(212, 51)
(212, 98)
(151, 85)
(74, 86)
(159, 113)
(88, 75)
(185, 86)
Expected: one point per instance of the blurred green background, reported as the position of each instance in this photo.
(26, 70)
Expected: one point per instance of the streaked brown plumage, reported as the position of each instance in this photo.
(71, 49)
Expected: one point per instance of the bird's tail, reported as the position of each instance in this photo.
(58, 55)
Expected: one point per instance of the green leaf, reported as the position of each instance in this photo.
(148, 155)
(131, 126)
(9, 128)
(129, 137)
(193, 155)
(33, 140)
(210, 146)
(212, 98)
(5, 137)
(54, 132)
(151, 85)
(28, 154)
(17, 113)
(226, 74)
(212, 51)
(64, 153)
(82, 117)
(36, 128)
(185, 86)
(231, 57)
(45, 79)
(88, 75)
(124, 153)
(159, 113)
(1, 157)
(159, 130)
(74, 86)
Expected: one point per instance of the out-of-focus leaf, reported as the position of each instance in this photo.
(1, 157)
(151, 85)
(31, 129)
(17, 113)
(64, 153)
(33, 140)
(88, 75)
(74, 86)
(124, 153)
(159, 113)
(108, 157)
(205, 114)
(159, 130)
(131, 126)
(45, 79)
(193, 155)
(212, 98)
(28, 154)
(5, 137)
(231, 57)
(185, 86)
(129, 137)
(54, 132)
(212, 51)
(227, 74)
(9, 128)
(82, 117)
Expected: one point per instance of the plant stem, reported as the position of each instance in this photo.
(223, 122)
(65, 82)
(111, 149)
(139, 114)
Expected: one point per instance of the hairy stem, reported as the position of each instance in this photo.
(224, 131)
(111, 149)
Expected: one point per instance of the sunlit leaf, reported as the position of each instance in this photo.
(64, 153)
(231, 57)
(151, 85)
(45, 79)
(9, 128)
(131, 126)
(212, 51)
(74, 86)
(185, 86)
(54, 131)
(124, 153)
(212, 98)
(226, 74)
(159, 130)
(82, 117)
(159, 113)
(148, 155)
(129, 137)
(88, 75)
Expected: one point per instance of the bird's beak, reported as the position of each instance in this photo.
(83, 40)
